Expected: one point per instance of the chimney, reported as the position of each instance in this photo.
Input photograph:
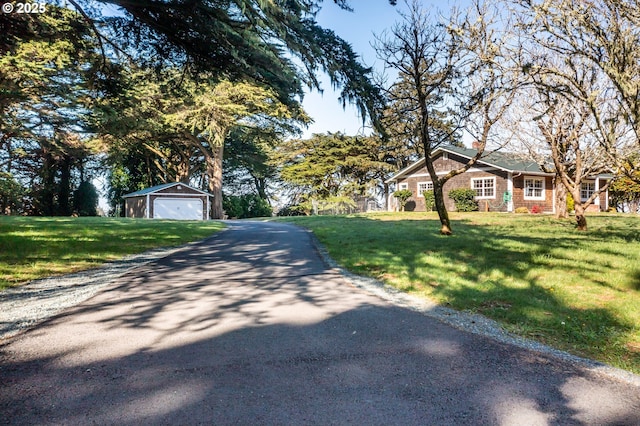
(476, 145)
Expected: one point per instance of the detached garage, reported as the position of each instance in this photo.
(169, 201)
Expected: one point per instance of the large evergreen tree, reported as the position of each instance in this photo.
(48, 79)
(277, 44)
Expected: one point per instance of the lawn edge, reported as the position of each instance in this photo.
(468, 322)
(73, 288)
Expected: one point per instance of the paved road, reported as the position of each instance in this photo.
(251, 327)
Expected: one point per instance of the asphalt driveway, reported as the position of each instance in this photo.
(252, 327)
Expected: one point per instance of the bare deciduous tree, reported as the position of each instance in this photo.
(453, 71)
(586, 117)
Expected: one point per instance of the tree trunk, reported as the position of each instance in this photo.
(441, 208)
(581, 220)
(214, 172)
(47, 197)
(261, 188)
(561, 200)
(64, 189)
(183, 172)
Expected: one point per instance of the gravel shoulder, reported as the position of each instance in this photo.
(22, 308)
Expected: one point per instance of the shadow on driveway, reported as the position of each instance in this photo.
(250, 327)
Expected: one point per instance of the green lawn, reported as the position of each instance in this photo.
(33, 247)
(536, 275)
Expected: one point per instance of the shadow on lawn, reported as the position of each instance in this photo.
(262, 332)
(25, 240)
(499, 273)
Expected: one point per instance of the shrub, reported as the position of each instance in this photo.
(464, 199)
(536, 209)
(429, 200)
(403, 195)
(232, 206)
(522, 210)
(570, 203)
(259, 207)
(334, 205)
(11, 193)
(293, 210)
(244, 206)
(85, 199)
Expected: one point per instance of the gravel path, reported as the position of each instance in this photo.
(27, 305)
(24, 307)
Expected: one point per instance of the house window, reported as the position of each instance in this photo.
(587, 189)
(484, 187)
(424, 186)
(403, 185)
(534, 188)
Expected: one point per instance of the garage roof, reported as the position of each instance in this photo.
(157, 188)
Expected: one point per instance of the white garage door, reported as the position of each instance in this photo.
(177, 208)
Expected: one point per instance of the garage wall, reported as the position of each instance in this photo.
(135, 207)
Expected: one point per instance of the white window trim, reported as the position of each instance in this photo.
(543, 196)
(479, 197)
(403, 185)
(420, 192)
(587, 182)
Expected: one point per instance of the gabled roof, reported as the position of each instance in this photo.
(506, 161)
(157, 188)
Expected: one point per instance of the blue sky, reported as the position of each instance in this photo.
(358, 28)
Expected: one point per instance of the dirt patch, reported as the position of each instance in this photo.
(634, 347)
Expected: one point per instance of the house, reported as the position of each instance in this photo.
(502, 181)
(168, 201)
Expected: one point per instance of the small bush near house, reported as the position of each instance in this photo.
(429, 200)
(403, 195)
(536, 209)
(464, 199)
(522, 210)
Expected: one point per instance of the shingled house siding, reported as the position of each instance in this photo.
(509, 170)
(416, 203)
(459, 181)
(495, 204)
(518, 194)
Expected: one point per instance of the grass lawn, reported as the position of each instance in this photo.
(538, 276)
(37, 247)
